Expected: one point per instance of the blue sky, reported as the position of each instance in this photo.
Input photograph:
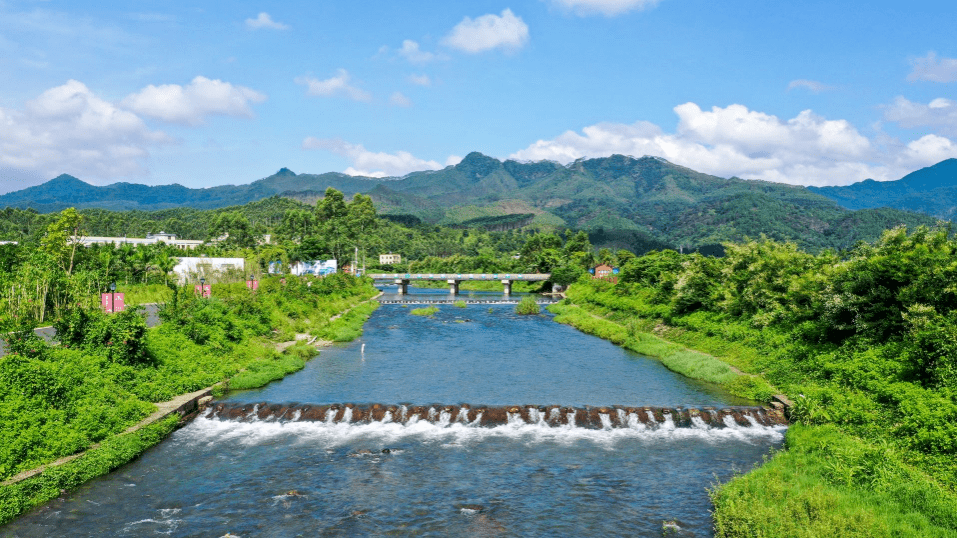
(208, 93)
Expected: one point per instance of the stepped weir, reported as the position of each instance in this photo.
(490, 416)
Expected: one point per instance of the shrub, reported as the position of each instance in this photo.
(527, 306)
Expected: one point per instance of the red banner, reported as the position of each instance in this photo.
(112, 302)
(207, 290)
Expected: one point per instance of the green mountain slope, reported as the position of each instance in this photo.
(931, 190)
(627, 201)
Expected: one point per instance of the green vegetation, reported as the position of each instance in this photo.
(527, 306)
(677, 358)
(112, 453)
(108, 370)
(861, 343)
(460, 304)
(428, 311)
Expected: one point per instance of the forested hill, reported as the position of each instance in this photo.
(632, 203)
(931, 190)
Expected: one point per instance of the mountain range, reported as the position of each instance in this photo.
(931, 190)
(644, 202)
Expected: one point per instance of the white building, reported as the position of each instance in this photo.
(150, 239)
(318, 267)
(389, 259)
(192, 268)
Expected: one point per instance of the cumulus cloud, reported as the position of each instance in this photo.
(812, 86)
(369, 163)
(736, 141)
(940, 113)
(399, 99)
(410, 51)
(265, 21)
(608, 8)
(420, 80)
(68, 129)
(337, 86)
(933, 69)
(190, 104)
(505, 31)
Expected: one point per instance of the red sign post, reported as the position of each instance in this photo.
(112, 302)
(252, 284)
(207, 290)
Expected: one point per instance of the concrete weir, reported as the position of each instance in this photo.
(489, 416)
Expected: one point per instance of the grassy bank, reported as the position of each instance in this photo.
(17, 498)
(108, 371)
(863, 346)
(675, 357)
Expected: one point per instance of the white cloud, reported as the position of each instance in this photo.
(265, 21)
(488, 32)
(940, 113)
(420, 80)
(399, 99)
(735, 141)
(926, 150)
(371, 164)
(337, 86)
(67, 129)
(609, 8)
(410, 51)
(812, 86)
(932, 69)
(191, 104)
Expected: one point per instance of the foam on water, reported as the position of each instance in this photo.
(212, 432)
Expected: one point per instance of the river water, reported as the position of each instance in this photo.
(282, 476)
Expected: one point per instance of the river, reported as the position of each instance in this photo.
(445, 474)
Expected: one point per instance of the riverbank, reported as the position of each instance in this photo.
(844, 471)
(591, 319)
(95, 405)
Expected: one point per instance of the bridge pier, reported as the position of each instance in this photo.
(453, 286)
(403, 285)
(508, 286)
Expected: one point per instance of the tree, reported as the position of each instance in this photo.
(333, 222)
(235, 229)
(361, 220)
(62, 238)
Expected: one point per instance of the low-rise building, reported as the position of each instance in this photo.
(193, 268)
(150, 239)
(605, 272)
(389, 259)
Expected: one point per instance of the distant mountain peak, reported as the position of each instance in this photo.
(66, 178)
(285, 172)
(478, 165)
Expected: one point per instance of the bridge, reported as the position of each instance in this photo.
(454, 279)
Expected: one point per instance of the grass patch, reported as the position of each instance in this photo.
(527, 306)
(675, 357)
(428, 311)
(137, 294)
(460, 304)
(828, 483)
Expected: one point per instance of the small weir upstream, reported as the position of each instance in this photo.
(563, 435)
